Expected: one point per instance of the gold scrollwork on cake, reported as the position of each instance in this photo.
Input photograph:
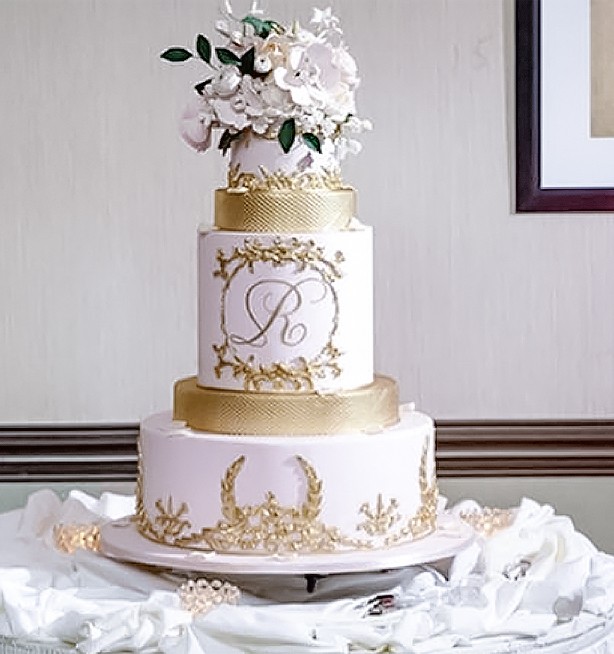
(304, 256)
(269, 527)
(424, 521)
(273, 528)
(284, 181)
(381, 518)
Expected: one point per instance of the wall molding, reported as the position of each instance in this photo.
(466, 448)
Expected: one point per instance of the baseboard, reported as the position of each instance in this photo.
(480, 448)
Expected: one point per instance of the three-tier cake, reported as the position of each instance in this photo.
(285, 441)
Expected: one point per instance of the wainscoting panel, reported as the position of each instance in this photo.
(464, 449)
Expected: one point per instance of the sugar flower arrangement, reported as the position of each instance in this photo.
(275, 81)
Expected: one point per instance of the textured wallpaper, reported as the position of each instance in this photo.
(480, 313)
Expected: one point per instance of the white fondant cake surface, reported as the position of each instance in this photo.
(253, 154)
(360, 474)
(312, 313)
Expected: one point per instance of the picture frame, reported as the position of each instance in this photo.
(560, 166)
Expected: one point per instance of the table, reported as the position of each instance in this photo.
(534, 584)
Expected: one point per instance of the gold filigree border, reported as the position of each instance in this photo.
(271, 528)
(281, 181)
(299, 375)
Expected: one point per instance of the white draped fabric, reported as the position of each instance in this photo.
(534, 586)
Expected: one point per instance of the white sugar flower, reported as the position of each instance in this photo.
(254, 105)
(260, 124)
(277, 102)
(230, 112)
(343, 61)
(345, 146)
(221, 26)
(328, 127)
(237, 38)
(308, 76)
(225, 82)
(307, 122)
(324, 19)
(195, 125)
(294, 78)
(275, 47)
(353, 125)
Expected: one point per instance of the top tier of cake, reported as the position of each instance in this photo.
(270, 190)
(286, 84)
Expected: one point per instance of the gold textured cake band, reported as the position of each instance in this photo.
(369, 408)
(288, 210)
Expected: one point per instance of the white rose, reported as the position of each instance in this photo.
(225, 82)
(195, 125)
(345, 63)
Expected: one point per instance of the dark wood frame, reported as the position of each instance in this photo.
(530, 197)
(485, 448)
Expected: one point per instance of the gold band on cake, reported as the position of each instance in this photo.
(369, 408)
(292, 210)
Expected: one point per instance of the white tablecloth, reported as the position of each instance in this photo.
(534, 586)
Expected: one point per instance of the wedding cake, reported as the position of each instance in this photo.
(285, 441)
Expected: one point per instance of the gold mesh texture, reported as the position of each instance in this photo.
(291, 210)
(368, 408)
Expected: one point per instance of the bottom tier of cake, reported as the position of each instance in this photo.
(286, 494)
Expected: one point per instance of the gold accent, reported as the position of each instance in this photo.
(70, 537)
(284, 202)
(488, 520)
(369, 408)
(281, 181)
(278, 376)
(271, 528)
(201, 596)
(425, 520)
(317, 210)
(267, 527)
(381, 518)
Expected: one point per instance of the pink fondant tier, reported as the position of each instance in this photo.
(289, 313)
(275, 494)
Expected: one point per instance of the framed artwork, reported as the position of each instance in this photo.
(564, 105)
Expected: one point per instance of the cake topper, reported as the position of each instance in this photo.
(274, 81)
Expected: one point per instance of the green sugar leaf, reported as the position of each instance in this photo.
(200, 87)
(287, 134)
(176, 54)
(261, 28)
(226, 140)
(247, 62)
(203, 47)
(227, 57)
(313, 142)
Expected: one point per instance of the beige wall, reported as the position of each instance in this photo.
(479, 312)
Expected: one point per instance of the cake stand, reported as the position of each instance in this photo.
(121, 540)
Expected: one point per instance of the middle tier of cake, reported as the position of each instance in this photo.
(285, 313)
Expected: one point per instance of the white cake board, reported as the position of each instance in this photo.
(121, 540)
